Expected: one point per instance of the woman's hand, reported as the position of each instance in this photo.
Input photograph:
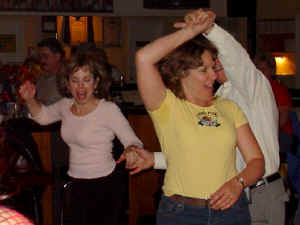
(129, 155)
(137, 159)
(227, 195)
(27, 90)
(199, 21)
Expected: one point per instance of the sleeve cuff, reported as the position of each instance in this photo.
(212, 30)
(36, 117)
(159, 161)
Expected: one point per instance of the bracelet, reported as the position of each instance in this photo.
(241, 181)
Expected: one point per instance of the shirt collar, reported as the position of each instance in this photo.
(226, 85)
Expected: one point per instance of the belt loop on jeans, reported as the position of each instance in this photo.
(190, 201)
(266, 180)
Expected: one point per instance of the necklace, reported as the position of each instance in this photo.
(82, 110)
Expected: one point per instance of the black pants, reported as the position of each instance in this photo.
(60, 161)
(95, 201)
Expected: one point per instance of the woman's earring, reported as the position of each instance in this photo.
(96, 91)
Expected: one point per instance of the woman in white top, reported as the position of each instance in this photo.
(89, 126)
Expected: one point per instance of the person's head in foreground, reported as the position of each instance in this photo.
(11, 217)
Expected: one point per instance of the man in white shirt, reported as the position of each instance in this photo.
(248, 87)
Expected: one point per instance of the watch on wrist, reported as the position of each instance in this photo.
(241, 181)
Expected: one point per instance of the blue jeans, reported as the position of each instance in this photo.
(178, 213)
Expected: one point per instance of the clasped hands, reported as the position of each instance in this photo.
(198, 21)
(137, 159)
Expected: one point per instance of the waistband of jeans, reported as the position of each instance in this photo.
(190, 201)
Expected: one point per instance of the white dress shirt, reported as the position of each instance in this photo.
(249, 88)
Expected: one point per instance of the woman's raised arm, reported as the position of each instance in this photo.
(150, 83)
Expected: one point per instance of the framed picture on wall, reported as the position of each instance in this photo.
(8, 43)
(58, 5)
(112, 31)
(12, 46)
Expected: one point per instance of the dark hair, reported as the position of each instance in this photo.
(175, 66)
(90, 49)
(266, 57)
(98, 69)
(54, 45)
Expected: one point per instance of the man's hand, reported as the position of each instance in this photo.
(137, 159)
(129, 155)
(199, 21)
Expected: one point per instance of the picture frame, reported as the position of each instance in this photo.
(8, 43)
(112, 31)
(106, 6)
(49, 24)
(12, 42)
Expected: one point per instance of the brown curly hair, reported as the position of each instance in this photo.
(98, 69)
(175, 66)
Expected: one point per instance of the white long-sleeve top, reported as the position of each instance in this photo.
(90, 137)
(249, 88)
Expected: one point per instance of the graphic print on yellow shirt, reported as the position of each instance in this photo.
(208, 119)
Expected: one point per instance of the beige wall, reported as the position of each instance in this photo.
(28, 32)
(32, 34)
(119, 56)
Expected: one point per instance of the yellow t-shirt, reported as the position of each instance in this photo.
(199, 144)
